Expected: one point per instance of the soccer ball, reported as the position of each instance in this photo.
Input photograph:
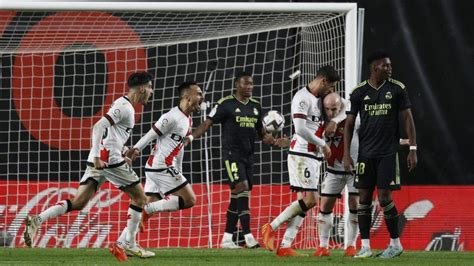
(273, 121)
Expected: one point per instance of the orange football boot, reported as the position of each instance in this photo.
(350, 251)
(321, 252)
(288, 252)
(268, 237)
(118, 252)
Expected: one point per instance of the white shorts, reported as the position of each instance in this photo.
(163, 183)
(334, 182)
(304, 172)
(121, 176)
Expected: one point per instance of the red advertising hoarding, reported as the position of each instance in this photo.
(432, 217)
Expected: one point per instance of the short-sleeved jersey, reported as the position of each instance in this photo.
(122, 115)
(172, 128)
(240, 124)
(379, 113)
(336, 144)
(306, 106)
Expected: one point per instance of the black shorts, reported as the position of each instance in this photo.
(377, 172)
(237, 170)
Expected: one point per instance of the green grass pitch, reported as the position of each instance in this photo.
(188, 256)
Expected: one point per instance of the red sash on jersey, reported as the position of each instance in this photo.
(336, 143)
(150, 159)
(104, 155)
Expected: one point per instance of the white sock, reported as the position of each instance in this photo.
(395, 242)
(290, 212)
(134, 218)
(352, 229)
(365, 243)
(54, 211)
(325, 222)
(227, 237)
(291, 230)
(122, 240)
(169, 204)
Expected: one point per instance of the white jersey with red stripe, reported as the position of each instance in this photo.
(172, 128)
(306, 106)
(121, 116)
(336, 142)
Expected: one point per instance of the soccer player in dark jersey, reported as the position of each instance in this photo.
(241, 119)
(380, 100)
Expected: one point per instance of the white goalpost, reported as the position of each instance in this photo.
(62, 65)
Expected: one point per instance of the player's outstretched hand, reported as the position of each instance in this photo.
(132, 154)
(412, 160)
(283, 142)
(99, 164)
(186, 141)
(268, 139)
(330, 129)
(326, 151)
(348, 163)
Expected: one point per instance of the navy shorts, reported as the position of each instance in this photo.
(377, 172)
(237, 170)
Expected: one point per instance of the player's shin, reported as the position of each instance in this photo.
(232, 215)
(295, 208)
(60, 208)
(325, 223)
(364, 215)
(168, 204)
(243, 211)
(391, 220)
(291, 230)
(352, 228)
(134, 217)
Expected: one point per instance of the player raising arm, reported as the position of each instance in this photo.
(105, 162)
(166, 187)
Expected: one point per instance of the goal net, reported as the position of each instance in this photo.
(62, 66)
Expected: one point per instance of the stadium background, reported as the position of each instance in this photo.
(431, 47)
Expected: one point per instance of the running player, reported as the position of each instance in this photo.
(166, 187)
(106, 162)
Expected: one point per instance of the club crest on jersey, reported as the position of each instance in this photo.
(255, 111)
(315, 118)
(237, 110)
(213, 111)
(388, 95)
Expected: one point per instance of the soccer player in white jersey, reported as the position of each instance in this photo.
(335, 179)
(106, 162)
(166, 187)
(304, 159)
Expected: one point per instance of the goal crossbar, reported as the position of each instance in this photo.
(176, 7)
